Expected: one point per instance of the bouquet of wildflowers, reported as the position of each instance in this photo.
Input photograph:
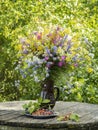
(45, 51)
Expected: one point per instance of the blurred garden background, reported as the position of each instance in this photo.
(18, 18)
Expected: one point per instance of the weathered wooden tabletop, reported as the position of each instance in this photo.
(12, 118)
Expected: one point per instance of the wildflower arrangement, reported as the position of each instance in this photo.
(45, 51)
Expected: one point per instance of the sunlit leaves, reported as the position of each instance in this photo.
(18, 18)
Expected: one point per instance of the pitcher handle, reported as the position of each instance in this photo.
(58, 92)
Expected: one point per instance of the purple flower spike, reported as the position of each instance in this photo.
(69, 46)
(65, 37)
(47, 51)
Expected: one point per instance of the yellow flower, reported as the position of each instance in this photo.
(76, 45)
(40, 48)
(60, 51)
(18, 47)
(89, 70)
(87, 58)
(68, 59)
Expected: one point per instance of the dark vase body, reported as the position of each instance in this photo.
(47, 92)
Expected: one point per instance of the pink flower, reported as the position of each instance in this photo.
(49, 35)
(39, 36)
(60, 64)
(49, 64)
(46, 58)
(22, 40)
(58, 29)
(63, 58)
(75, 64)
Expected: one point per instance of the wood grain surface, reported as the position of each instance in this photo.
(12, 117)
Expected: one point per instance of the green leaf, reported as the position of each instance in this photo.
(31, 109)
(60, 118)
(30, 104)
(40, 100)
(74, 117)
(46, 101)
(25, 106)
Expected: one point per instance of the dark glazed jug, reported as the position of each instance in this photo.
(47, 92)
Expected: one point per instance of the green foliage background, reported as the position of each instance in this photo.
(20, 17)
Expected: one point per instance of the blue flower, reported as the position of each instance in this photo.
(68, 47)
(63, 40)
(47, 51)
(25, 51)
(74, 58)
(54, 48)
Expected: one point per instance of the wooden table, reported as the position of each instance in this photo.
(12, 118)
